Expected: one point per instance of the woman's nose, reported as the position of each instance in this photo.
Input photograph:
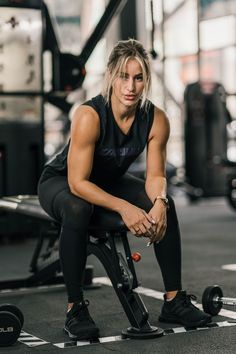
(130, 85)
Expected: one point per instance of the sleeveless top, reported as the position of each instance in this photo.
(114, 150)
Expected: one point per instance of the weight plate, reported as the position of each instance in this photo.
(13, 309)
(210, 294)
(10, 328)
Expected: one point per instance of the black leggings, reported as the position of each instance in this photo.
(74, 215)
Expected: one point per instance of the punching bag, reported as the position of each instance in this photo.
(206, 117)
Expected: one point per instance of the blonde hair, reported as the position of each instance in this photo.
(121, 53)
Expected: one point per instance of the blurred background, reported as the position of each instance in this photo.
(53, 55)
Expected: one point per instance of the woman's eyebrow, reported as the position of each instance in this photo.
(125, 73)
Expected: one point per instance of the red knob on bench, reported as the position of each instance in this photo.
(136, 256)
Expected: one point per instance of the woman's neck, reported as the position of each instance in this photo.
(120, 111)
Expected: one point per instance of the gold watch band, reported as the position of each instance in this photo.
(164, 200)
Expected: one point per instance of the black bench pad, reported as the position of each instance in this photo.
(102, 219)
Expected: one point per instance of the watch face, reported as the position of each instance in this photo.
(20, 49)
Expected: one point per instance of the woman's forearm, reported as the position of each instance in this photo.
(97, 196)
(156, 187)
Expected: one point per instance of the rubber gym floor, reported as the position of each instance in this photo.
(208, 242)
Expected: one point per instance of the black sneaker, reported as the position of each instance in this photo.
(79, 324)
(181, 310)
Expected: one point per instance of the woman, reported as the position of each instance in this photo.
(107, 134)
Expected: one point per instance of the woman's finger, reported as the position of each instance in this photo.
(149, 218)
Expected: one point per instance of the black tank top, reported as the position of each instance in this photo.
(114, 150)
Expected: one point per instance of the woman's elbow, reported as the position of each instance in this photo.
(75, 187)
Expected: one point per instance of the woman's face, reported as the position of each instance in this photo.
(128, 86)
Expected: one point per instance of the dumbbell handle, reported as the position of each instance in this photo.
(225, 300)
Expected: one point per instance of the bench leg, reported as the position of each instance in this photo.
(124, 280)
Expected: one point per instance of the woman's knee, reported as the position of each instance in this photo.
(171, 214)
(76, 213)
(48, 190)
(171, 202)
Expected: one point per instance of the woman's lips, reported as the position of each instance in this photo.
(130, 97)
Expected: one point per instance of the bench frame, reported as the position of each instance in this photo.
(45, 264)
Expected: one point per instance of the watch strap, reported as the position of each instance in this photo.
(163, 199)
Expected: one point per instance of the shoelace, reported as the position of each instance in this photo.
(85, 303)
(188, 298)
(83, 312)
(80, 307)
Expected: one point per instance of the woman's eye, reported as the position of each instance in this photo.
(139, 78)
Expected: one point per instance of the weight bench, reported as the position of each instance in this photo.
(105, 231)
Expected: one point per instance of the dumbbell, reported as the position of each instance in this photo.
(213, 300)
(11, 322)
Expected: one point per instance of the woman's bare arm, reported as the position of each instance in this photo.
(156, 185)
(84, 134)
(156, 156)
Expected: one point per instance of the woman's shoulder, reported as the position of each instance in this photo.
(160, 121)
(85, 124)
(86, 117)
(98, 104)
(160, 114)
(83, 110)
(161, 125)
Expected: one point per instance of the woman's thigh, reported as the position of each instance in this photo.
(54, 191)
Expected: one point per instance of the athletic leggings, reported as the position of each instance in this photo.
(74, 213)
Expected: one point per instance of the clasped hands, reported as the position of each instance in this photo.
(151, 225)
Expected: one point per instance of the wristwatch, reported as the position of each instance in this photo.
(164, 200)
